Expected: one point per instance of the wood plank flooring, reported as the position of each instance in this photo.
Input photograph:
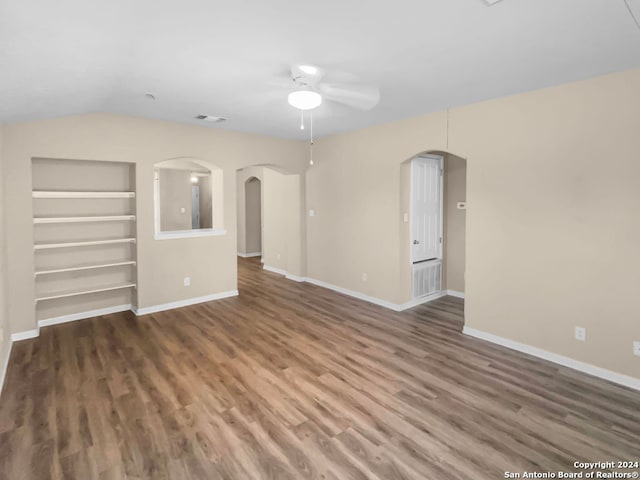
(292, 381)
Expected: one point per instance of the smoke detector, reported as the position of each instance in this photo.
(211, 118)
(491, 2)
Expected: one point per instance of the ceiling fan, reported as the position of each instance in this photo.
(310, 90)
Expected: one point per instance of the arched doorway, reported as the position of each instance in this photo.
(253, 217)
(269, 210)
(441, 271)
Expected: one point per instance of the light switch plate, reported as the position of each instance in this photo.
(405, 218)
(636, 349)
(187, 281)
(312, 213)
(581, 334)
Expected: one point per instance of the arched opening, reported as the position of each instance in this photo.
(253, 217)
(269, 213)
(433, 227)
(188, 198)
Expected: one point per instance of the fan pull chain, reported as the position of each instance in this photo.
(301, 119)
(311, 142)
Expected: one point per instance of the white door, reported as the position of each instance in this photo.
(426, 208)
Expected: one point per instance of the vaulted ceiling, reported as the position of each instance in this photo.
(231, 58)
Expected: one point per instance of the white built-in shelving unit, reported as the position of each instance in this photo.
(84, 236)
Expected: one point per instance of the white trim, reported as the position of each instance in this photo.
(73, 293)
(82, 315)
(103, 218)
(46, 246)
(274, 269)
(183, 303)
(420, 300)
(84, 267)
(201, 232)
(454, 293)
(5, 365)
(94, 194)
(295, 278)
(351, 293)
(248, 255)
(396, 307)
(555, 358)
(16, 337)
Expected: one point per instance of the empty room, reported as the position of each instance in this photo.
(319, 240)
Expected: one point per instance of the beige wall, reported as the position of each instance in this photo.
(552, 225)
(455, 190)
(253, 219)
(175, 195)
(206, 213)
(5, 341)
(241, 208)
(162, 264)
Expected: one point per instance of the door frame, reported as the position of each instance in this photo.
(411, 222)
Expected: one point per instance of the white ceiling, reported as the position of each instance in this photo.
(231, 58)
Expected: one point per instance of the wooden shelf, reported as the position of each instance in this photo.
(80, 268)
(47, 246)
(59, 194)
(105, 218)
(73, 293)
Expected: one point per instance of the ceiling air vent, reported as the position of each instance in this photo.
(210, 118)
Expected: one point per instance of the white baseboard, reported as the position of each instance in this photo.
(82, 315)
(183, 303)
(454, 293)
(351, 293)
(420, 300)
(555, 358)
(396, 307)
(295, 278)
(16, 337)
(248, 255)
(274, 269)
(5, 365)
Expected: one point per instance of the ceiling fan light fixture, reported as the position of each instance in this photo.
(308, 69)
(305, 99)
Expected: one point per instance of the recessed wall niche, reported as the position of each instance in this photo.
(84, 223)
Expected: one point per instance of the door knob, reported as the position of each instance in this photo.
(416, 242)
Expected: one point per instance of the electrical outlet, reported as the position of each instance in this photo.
(1, 334)
(364, 277)
(187, 281)
(581, 334)
(312, 213)
(278, 256)
(405, 218)
(636, 349)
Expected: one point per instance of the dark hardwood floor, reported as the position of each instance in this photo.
(292, 381)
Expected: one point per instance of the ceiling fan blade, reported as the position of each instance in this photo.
(362, 97)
